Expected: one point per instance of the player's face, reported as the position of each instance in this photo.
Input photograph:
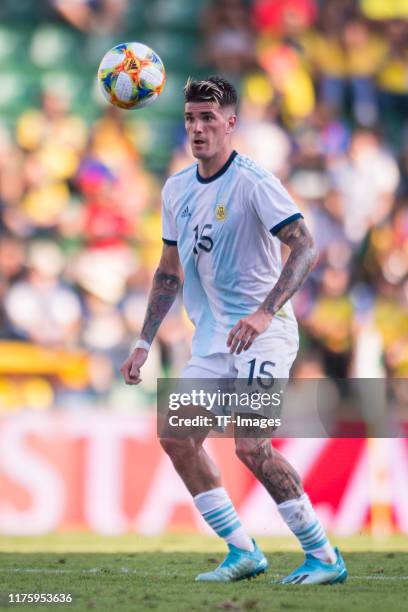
(208, 127)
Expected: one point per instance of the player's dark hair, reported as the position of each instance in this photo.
(213, 89)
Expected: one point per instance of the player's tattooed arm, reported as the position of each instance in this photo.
(303, 255)
(162, 295)
(166, 284)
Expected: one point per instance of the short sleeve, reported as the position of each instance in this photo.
(169, 229)
(273, 205)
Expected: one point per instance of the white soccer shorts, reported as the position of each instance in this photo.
(263, 368)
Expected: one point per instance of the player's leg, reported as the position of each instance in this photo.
(323, 563)
(280, 478)
(283, 483)
(190, 459)
(202, 479)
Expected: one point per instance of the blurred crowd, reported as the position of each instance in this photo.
(324, 100)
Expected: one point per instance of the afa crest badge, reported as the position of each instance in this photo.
(220, 212)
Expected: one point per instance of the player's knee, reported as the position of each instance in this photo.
(245, 449)
(249, 451)
(179, 449)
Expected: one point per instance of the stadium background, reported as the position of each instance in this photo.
(324, 95)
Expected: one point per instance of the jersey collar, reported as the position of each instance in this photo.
(220, 172)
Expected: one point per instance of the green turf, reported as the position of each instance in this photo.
(181, 542)
(155, 580)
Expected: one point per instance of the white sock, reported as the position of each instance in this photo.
(300, 517)
(217, 510)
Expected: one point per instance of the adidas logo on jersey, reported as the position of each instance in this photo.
(185, 213)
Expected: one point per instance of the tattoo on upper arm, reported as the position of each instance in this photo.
(163, 293)
(302, 257)
(295, 233)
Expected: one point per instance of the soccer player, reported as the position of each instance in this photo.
(223, 220)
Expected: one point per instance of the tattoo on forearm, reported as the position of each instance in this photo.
(278, 477)
(300, 261)
(164, 290)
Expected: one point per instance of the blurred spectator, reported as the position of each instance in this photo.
(393, 83)
(113, 144)
(104, 223)
(39, 306)
(53, 140)
(368, 180)
(283, 16)
(281, 55)
(228, 37)
(326, 221)
(377, 9)
(52, 124)
(103, 272)
(387, 246)
(346, 55)
(103, 326)
(309, 177)
(330, 322)
(284, 64)
(99, 16)
(364, 52)
(12, 259)
(391, 320)
(259, 134)
(12, 267)
(11, 168)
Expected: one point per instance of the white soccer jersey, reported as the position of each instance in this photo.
(224, 228)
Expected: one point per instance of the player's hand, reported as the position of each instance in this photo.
(246, 330)
(131, 367)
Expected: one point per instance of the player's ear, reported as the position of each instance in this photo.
(231, 123)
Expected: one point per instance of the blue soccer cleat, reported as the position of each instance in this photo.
(237, 565)
(314, 571)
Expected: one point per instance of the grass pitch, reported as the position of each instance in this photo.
(144, 574)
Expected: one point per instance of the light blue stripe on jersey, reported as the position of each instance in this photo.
(205, 320)
(248, 164)
(223, 520)
(312, 537)
(225, 263)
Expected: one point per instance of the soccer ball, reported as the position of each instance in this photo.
(131, 75)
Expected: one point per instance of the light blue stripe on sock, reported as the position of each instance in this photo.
(302, 533)
(223, 520)
(219, 522)
(315, 534)
(312, 543)
(317, 544)
(226, 532)
(312, 537)
(230, 521)
(212, 514)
